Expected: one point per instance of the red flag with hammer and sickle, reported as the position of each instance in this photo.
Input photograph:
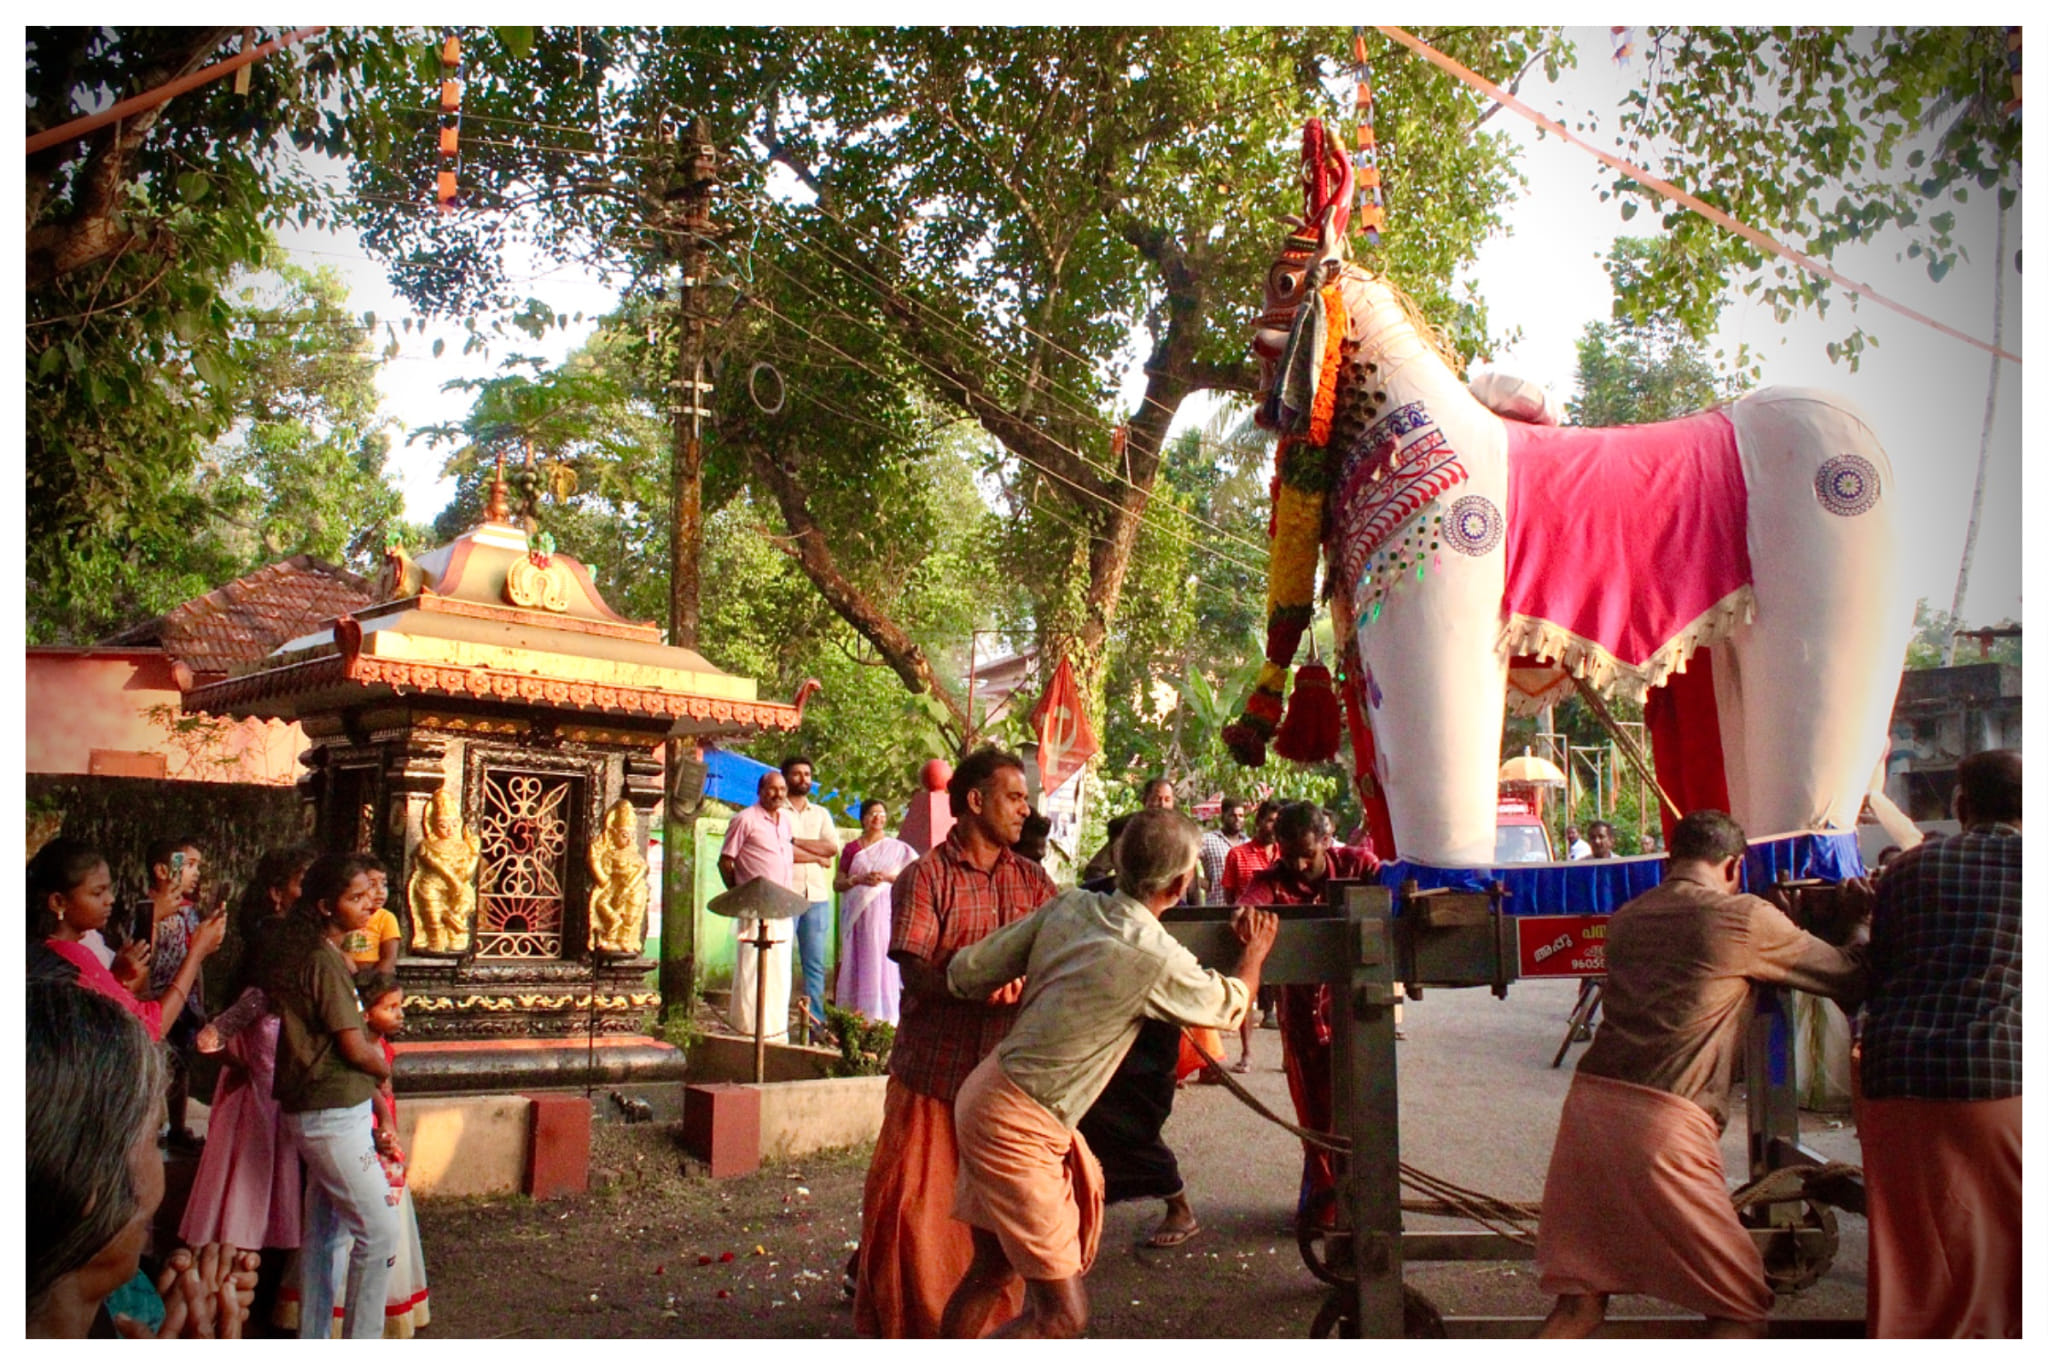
(1065, 741)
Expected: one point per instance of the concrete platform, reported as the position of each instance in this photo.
(803, 1107)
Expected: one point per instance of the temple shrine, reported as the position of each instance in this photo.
(492, 730)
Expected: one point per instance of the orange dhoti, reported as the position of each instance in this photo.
(1197, 1046)
(913, 1253)
(1636, 1203)
(1943, 1182)
(1026, 1177)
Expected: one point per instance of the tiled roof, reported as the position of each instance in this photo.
(248, 618)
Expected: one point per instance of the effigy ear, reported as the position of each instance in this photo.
(1327, 186)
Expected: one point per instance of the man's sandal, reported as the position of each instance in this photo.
(1166, 1238)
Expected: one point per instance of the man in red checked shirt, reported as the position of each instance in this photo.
(1300, 874)
(912, 1252)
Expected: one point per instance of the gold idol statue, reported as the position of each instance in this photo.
(618, 883)
(442, 888)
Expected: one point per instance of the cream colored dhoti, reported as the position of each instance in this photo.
(741, 1012)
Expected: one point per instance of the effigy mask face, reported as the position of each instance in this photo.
(1315, 249)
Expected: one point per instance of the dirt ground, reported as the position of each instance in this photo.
(644, 1254)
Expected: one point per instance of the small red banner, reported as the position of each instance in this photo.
(1065, 740)
(1563, 945)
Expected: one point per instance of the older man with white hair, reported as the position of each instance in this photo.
(1094, 966)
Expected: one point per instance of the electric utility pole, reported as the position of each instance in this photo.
(687, 227)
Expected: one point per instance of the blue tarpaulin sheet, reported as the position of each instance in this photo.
(1600, 886)
(733, 778)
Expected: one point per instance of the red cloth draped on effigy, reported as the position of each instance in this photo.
(1626, 546)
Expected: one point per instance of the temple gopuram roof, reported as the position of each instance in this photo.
(240, 622)
(495, 617)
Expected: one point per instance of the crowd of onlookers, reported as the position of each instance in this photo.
(1045, 1099)
(298, 1217)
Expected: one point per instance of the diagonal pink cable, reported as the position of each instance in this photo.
(1671, 191)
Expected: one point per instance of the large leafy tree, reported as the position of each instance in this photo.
(1820, 137)
(300, 469)
(134, 348)
(914, 534)
(1182, 665)
(994, 223)
(1643, 371)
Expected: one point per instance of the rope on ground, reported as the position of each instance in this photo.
(1501, 1216)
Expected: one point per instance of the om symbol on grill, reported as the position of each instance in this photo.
(525, 832)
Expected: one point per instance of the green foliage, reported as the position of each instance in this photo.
(1184, 664)
(983, 221)
(1643, 372)
(1932, 628)
(138, 360)
(1819, 137)
(911, 529)
(296, 465)
(864, 1043)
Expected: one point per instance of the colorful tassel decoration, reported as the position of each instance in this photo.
(1313, 724)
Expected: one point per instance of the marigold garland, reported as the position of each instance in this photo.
(1335, 323)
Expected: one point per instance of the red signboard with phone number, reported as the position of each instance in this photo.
(1563, 945)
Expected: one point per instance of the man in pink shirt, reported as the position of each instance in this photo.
(760, 843)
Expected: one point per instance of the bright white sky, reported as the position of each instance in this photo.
(1924, 392)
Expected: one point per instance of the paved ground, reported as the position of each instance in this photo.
(1479, 1106)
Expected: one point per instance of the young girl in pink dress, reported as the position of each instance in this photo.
(246, 1190)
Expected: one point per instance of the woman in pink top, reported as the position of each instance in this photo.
(70, 894)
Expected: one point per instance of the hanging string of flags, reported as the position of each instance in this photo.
(1369, 210)
(451, 123)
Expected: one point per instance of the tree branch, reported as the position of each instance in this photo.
(1513, 87)
(93, 231)
(903, 654)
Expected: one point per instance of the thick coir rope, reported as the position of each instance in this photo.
(1448, 1199)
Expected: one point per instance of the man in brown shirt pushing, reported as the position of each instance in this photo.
(1635, 1201)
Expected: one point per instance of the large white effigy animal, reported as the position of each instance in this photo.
(1735, 570)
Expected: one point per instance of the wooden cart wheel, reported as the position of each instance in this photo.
(1799, 1253)
(1420, 1320)
(1326, 1251)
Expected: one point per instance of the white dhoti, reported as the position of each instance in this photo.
(745, 961)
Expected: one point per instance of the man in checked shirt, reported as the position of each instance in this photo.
(1939, 1114)
(912, 1252)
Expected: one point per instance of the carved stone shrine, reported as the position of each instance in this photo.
(492, 731)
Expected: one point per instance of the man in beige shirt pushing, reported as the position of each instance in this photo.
(1094, 965)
